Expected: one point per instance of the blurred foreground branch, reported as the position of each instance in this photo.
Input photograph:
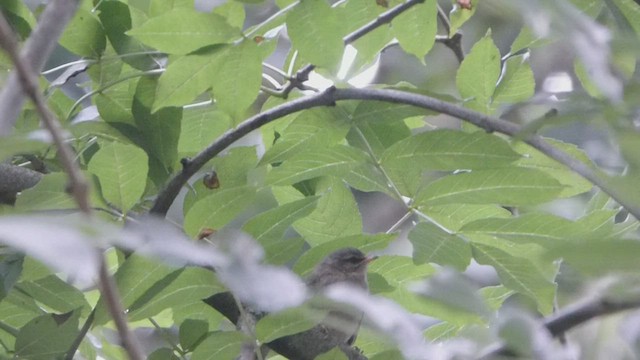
(79, 188)
(565, 320)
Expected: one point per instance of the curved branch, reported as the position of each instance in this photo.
(332, 95)
(571, 317)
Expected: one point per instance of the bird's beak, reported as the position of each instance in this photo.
(369, 259)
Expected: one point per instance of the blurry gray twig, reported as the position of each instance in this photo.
(565, 320)
(29, 84)
(28, 81)
(34, 54)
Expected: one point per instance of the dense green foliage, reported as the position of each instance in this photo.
(469, 195)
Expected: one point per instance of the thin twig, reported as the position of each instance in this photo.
(83, 332)
(399, 223)
(444, 19)
(29, 84)
(78, 185)
(332, 95)
(112, 300)
(565, 320)
(384, 18)
(167, 337)
(108, 85)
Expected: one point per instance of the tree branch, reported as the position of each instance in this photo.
(35, 53)
(569, 318)
(29, 84)
(382, 19)
(28, 81)
(332, 95)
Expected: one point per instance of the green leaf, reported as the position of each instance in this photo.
(478, 74)
(573, 183)
(160, 130)
(200, 127)
(192, 332)
(433, 245)
(519, 274)
(283, 323)
(315, 31)
(367, 177)
(220, 345)
(458, 16)
(190, 284)
(442, 150)
(233, 168)
(134, 278)
(336, 214)
(233, 12)
(597, 257)
(416, 28)
(311, 128)
(163, 354)
(84, 35)
(54, 293)
(160, 7)
(114, 105)
(270, 225)
(334, 354)
(47, 337)
(449, 150)
(454, 216)
(364, 242)
(122, 172)
(116, 20)
(400, 270)
(10, 271)
(630, 10)
(495, 296)
(238, 77)
(516, 83)
(356, 14)
(48, 193)
(505, 186)
(216, 210)
(377, 136)
(183, 30)
(314, 162)
(186, 77)
(540, 228)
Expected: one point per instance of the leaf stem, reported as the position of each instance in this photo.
(81, 335)
(167, 338)
(108, 85)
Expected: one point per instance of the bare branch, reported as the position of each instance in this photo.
(109, 290)
(28, 81)
(569, 318)
(36, 51)
(332, 95)
(382, 19)
(29, 84)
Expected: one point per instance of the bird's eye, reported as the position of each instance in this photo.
(354, 259)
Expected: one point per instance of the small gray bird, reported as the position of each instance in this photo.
(348, 265)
